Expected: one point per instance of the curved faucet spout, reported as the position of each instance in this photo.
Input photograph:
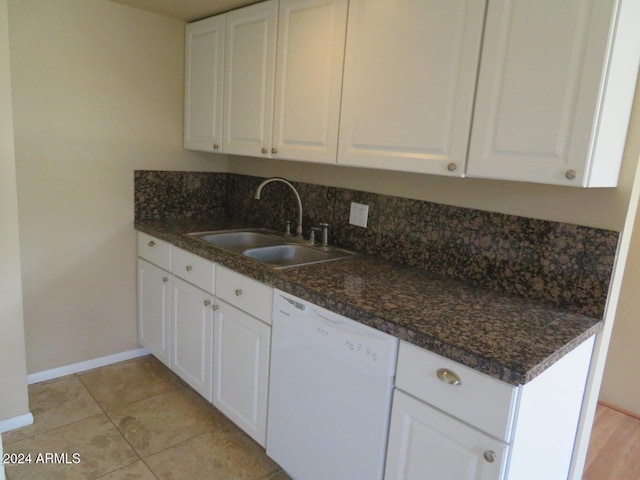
(278, 179)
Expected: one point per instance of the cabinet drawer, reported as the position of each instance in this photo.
(480, 400)
(154, 250)
(245, 293)
(194, 269)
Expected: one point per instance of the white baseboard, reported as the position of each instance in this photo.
(16, 422)
(83, 366)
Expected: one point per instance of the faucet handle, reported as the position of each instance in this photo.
(312, 235)
(325, 234)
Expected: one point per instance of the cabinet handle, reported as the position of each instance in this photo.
(448, 377)
(216, 146)
(151, 244)
(570, 174)
(264, 151)
(238, 292)
(207, 303)
(274, 151)
(489, 456)
(452, 167)
(165, 279)
(188, 268)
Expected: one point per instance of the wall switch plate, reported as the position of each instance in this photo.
(359, 214)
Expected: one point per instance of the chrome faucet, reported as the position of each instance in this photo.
(278, 179)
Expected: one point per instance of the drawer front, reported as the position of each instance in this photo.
(194, 269)
(154, 250)
(479, 400)
(245, 293)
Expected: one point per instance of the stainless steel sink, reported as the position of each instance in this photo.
(270, 247)
(291, 255)
(240, 240)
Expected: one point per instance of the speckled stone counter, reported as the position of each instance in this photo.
(510, 338)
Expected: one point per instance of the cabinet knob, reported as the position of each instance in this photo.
(570, 174)
(264, 151)
(207, 303)
(489, 456)
(238, 292)
(165, 279)
(151, 244)
(448, 376)
(188, 268)
(452, 167)
(216, 146)
(215, 306)
(274, 151)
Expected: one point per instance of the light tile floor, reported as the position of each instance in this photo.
(132, 420)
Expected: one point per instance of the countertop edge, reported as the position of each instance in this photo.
(281, 279)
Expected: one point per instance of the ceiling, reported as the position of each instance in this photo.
(186, 10)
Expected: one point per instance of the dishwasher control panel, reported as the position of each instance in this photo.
(338, 334)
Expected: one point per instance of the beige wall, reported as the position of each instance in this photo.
(621, 380)
(13, 375)
(97, 91)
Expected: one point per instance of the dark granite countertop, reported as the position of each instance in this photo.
(507, 337)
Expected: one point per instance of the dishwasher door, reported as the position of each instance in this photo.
(330, 390)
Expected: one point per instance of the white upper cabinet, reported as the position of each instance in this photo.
(409, 81)
(204, 73)
(536, 91)
(249, 79)
(310, 56)
(555, 89)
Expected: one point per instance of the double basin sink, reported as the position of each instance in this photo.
(270, 247)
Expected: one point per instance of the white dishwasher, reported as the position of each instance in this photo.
(330, 389)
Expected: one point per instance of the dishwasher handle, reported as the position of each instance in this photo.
(336, 321)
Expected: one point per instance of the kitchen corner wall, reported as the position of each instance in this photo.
(13, 371)
(98, 92)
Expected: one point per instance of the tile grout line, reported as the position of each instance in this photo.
(104, 412)
(140, 457)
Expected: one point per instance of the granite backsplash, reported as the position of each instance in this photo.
(564, 265)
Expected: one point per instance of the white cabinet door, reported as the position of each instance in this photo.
(241, 369)
(310, 56)
(204, 74)
(426, 444)
(154, 310)
(191, 336)
(409, 82)
(250, 54)
(541, 93)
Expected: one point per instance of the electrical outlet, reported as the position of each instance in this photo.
(359, 214)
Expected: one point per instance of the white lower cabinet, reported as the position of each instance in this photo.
(154, 310)
(192, 327)
(220, 346)
(450, 422)
(241, 369)
(242, 346)
(429, 444)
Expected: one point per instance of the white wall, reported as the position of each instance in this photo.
(13, 383)
(97, 91)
